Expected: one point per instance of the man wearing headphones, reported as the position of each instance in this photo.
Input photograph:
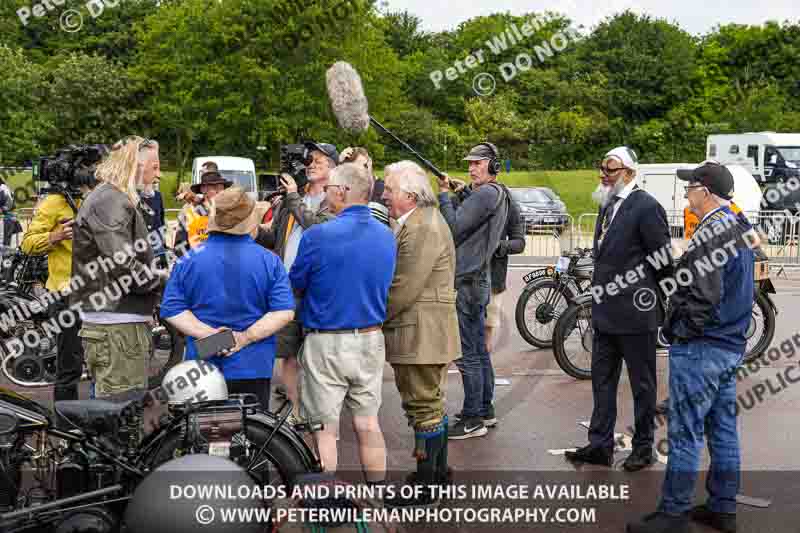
(477, 217)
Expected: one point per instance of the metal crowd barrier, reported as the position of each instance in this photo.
(780, 236)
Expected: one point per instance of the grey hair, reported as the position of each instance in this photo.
(720, 200)
(413, 180)
(355, 177)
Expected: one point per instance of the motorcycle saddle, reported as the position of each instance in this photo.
(93, 416)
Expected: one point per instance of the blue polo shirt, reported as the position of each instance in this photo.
(230, 282)
(344, 269)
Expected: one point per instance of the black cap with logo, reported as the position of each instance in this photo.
(711, 175)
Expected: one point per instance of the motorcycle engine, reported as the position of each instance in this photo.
(10, 474)
(212, 431)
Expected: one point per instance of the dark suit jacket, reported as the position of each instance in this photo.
(639, 229)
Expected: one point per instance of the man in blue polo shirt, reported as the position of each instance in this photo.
(232, 283)
(343, 271)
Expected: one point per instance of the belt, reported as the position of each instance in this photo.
(343, 331)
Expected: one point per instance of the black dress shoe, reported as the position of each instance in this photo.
(638, 459)
(660, 523)
(725, 522)
(591, 455)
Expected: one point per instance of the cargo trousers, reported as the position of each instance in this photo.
(117, 356)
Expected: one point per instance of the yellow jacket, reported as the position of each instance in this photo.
(49, 212)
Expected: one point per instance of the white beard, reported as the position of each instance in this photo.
(603, 193)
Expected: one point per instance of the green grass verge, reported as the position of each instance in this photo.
(574, 186)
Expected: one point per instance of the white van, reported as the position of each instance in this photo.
(662, 182)
(769, 156)
(240, 170)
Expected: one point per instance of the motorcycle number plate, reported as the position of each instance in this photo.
(538, 273)
(562, 265)
(220, 449)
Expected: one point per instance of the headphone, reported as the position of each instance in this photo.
(494, 162)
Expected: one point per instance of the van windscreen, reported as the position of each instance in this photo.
(243, 178)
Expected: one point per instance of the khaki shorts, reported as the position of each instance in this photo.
(494, 310)
(338, 369)
(117, 356)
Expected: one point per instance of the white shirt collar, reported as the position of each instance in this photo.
(627, 189)
(402, 219)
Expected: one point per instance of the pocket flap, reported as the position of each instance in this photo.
(438, 295)
(93, 334)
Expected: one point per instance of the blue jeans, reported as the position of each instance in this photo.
(475, 365)
(702, 401)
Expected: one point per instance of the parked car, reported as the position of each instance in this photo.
(541, 209)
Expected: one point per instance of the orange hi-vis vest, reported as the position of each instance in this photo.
(690, 220)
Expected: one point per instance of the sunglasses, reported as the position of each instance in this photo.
(608, 171)
(687, 188)
(146, 143)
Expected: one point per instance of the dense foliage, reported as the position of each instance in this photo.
(225, 77)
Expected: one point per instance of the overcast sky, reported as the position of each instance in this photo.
(694, 16)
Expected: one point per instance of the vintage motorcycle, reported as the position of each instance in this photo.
(81, 461)
(573, 332)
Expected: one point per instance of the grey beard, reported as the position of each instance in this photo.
(603, 194)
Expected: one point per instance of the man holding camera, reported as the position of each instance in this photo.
(301, 208)
(478, 221)
(50, 233)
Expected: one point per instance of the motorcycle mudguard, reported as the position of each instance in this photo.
(767, 286)
(269, 420)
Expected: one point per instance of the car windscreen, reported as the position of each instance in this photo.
(790, 153)
(530, 196)
(244, 178)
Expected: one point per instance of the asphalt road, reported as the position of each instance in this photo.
(540, 408)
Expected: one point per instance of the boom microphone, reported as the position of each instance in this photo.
(346, 93)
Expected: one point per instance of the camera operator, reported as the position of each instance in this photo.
(296, 212)
(50, 232)
(114, 258)
(9, 226)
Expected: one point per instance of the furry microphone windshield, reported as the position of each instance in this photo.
(347, 97)
(350, 106)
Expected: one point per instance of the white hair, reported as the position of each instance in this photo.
(355, 177)
(413, 180)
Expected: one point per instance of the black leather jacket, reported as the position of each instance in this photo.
(110, 273)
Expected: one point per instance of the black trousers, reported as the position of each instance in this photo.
(639, 354)
(69, 360)
(259, 387)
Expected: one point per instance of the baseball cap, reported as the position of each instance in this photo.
(479, 153)
(627, 156)
(711, 175)
(327, 149)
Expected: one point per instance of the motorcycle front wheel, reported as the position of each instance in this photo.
(572, 340)
(761, 330)
(539, 306)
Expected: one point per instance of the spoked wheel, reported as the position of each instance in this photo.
(538, 309)
(572, 340)
(280, 464)
(761, 330)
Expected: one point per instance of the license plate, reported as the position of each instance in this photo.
(220, 449)
(538, 273)
(551, 219)
(562, 265)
